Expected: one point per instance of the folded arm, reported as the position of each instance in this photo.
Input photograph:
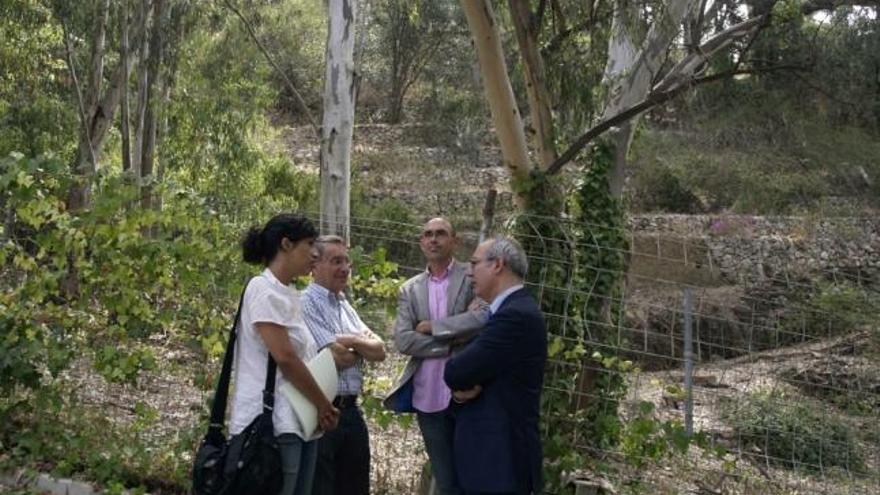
(485, 357)
(366, 344)
(462, 326)
(409, 341)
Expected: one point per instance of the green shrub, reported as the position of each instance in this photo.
(83, 441)
(792, 434)
(657, 188)
(827, 309)
(101, 282)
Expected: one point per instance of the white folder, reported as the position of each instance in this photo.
(323, 369)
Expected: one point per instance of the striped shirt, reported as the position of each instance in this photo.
(328, 315)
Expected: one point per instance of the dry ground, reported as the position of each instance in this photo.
(398, 452)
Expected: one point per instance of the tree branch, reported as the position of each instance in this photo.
(652, 100)
(106, 108)
(556, 9)
(681, 77)
(694, 25)
(96, 76)
(420, 61)
(557, 40)
(814, 6)
(265, 52)
(691, 64)
(560, 37)
(831, 96)
(538, 16)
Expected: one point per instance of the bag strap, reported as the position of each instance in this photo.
(269, 388)
(221, 395)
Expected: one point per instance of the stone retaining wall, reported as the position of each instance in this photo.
(749, 249)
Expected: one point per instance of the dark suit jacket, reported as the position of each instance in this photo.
(497, 446)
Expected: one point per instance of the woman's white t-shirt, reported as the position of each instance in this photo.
(266, 300)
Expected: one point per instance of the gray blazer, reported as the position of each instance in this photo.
(449, 334)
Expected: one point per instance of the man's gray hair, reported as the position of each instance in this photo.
(321, 243)
(508, 250)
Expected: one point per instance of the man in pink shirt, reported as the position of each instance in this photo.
(436, 317)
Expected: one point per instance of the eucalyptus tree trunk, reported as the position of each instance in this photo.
(338, 122)
(630, 73)
(125, 115)
(99, 107)
(98, 110)
(88, 149)
(395, 95)
(153, 99)
(176, 34)
(143, 54)
(622, 55)
(526, 26)
(499, 93)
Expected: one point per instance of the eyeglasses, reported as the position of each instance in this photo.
(435, 234)
(477, 261)
(340, 261)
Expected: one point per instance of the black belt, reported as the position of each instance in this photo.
(345, 401)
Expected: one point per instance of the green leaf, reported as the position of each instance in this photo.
(555, 347)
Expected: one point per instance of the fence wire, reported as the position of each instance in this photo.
(785, 389)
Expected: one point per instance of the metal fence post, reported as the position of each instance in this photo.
(688, 362)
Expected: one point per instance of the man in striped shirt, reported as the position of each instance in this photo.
(343, 466)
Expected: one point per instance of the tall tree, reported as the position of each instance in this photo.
(125, 115)
(641, 71)
(153, 102)
(643, 68)
(499, 93)
(411, 34)
(527, 24)
(97, 96)
(338, 122)
(630, 72)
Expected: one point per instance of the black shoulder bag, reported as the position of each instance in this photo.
(250, 462)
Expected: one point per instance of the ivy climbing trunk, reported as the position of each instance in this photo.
(338, 122)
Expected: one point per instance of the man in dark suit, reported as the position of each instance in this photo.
(497, 379)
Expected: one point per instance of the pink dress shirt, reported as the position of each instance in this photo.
(430, 393)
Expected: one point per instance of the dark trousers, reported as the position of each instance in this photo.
(343, 466)
(437, 431)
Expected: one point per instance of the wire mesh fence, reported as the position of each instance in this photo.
(769, 375)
